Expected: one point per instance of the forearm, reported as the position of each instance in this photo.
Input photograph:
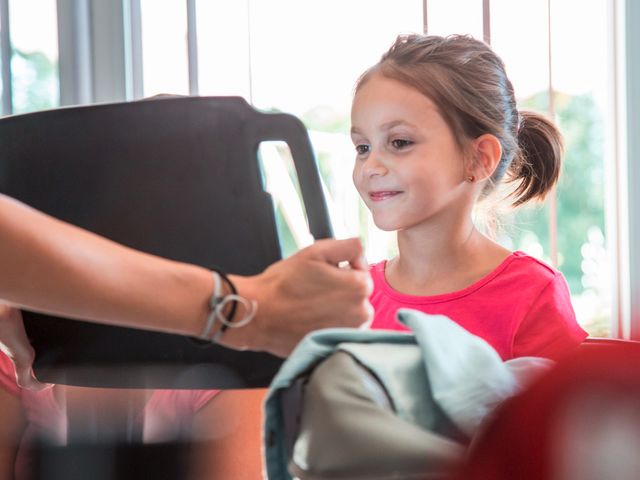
(51, 266)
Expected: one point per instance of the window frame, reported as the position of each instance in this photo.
(623, 196)
(6, 52)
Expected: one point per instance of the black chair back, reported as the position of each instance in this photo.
(176, 177)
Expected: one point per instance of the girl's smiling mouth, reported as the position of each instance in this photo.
(381, 195)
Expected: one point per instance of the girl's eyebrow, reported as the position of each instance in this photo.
(387, 126)
(395, 123)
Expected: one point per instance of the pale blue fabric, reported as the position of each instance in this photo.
(467, 378)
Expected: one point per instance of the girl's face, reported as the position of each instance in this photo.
(409, 169)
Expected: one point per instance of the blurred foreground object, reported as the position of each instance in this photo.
(581, 421)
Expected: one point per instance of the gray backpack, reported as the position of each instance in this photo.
(365, 404)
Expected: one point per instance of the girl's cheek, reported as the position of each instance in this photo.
(354, 178)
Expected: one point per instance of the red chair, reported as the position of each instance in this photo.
(579, 421)
(595, 342)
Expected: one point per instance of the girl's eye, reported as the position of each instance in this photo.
(362, 149)
(400, 143)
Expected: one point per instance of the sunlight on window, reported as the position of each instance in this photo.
(313, 62)
(309, 67)
(305, 57)
(223, 48)
(579, 82)
(280, 180)
(34, 63)
(164, 47)
(578, 74)
(461, 17)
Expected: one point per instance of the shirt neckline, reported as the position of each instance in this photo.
(444, 297)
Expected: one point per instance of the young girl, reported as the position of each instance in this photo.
(436, 128)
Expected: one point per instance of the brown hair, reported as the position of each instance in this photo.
(468, 83)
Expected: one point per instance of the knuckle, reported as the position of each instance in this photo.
(365, 286)
(361, 284)
(369, 309)
(366, 312)
(361, 313)
(368, 285)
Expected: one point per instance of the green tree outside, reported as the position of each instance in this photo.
(580, 190)
(34, 81)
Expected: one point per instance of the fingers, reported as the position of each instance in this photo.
(367, 315)
(355, 282)
(337, 251)
(354, 315)
(22, 357)
(306, 292)
(25, 377)
(15, 345)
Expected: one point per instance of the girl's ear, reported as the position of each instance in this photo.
(487, 153)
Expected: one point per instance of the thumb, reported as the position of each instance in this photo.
(25, 378)
(337, 251)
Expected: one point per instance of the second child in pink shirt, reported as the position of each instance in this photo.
(436, 129)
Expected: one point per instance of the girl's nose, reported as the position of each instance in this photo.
(374, 165)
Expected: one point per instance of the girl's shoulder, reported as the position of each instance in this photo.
(522, 264)
(522, 276)
(376, 270)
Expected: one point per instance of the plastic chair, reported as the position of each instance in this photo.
(176, 177)
(591, 343)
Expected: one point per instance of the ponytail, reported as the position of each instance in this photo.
(536, 165)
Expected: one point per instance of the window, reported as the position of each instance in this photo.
(309, 67)
(31, 48)
(562, 75)
(164, 47)
(224, 54)
(304, 58)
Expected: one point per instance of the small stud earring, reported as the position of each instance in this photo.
(471, 179)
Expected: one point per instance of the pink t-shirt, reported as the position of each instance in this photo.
(522, 308)
(166, 413)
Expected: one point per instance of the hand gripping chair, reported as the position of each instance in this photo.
(175, 177)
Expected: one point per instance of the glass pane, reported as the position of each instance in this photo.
(223, 48)
(280, 179)
(164, 47)
(305, 60)
(579, 64)
(34, 63)
(445, 17)
(519, 34)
